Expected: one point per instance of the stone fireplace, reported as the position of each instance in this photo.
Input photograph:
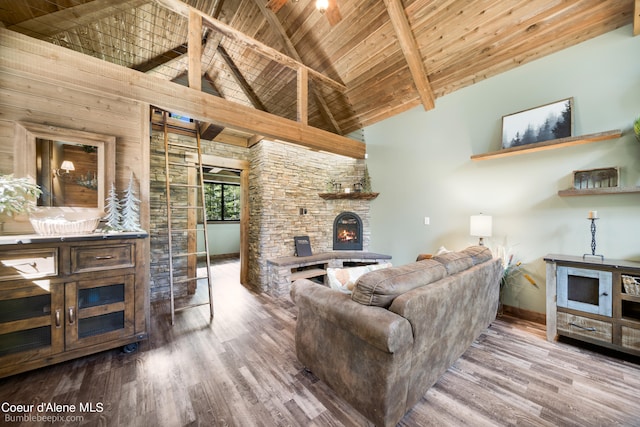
(347, 232)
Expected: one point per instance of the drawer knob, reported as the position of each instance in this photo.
(590, 329)
(58, 318)
(104, 257)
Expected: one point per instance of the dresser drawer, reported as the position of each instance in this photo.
(28, 263)
(102, 257)
(631, 338)
(584, 326)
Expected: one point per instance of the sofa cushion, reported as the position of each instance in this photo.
(478, 254)
(454, 262)
(380, 287)
(344, 279)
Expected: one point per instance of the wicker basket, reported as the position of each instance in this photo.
(631, 285)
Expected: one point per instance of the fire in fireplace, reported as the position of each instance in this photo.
(347, 232)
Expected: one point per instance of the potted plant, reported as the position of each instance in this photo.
(17, 196)
(636, 128)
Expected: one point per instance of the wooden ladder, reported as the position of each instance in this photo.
(194, 205)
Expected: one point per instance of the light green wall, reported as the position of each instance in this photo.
(419, 162)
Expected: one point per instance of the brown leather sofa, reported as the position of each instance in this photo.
(385, 345)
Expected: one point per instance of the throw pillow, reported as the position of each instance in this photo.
(344, 279)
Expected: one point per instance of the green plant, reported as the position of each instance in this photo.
(636, 128)
(17, 195)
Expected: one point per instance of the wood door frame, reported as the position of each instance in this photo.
(243, 167)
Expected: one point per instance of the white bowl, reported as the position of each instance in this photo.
(65, 221)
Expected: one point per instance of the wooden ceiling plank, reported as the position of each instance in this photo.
(195, 51)
(183, 9)
(72, 17)
(411, 52)
(543, 38)
(38, 59)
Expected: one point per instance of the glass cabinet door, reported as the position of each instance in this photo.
(31, 320)
(99, 310)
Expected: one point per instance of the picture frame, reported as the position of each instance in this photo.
(539, 124)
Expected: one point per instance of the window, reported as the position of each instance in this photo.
(222, 201)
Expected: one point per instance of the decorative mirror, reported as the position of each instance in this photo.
(73, 168)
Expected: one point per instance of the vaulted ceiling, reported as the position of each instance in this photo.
(366, 59)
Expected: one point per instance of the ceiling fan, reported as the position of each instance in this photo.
(328, 7)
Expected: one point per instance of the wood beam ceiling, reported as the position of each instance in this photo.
(411, 53)
(183, 9)
(61, 66)
(291, 50)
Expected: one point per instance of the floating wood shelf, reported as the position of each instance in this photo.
(550, 145)
(349, 196)
(596, 191)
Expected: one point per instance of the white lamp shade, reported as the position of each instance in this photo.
(67, 165)
(480, 225)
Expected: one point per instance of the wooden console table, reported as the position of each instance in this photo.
(587, 300)
(282, 271)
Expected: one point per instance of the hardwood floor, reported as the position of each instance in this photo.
(241, 370)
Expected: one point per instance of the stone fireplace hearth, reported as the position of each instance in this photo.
(347, 232)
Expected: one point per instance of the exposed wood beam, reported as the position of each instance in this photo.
(242, 82)
(195, 51)
(291, 50)
(63, 67)
(184, 9)
(636, 18)
(411, 53)
(75, 16)
(303, 96)
(254, 140)
(161, 59)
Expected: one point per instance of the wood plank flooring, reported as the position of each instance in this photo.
(241, 370)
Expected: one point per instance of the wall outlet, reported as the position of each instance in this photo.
(427, 220)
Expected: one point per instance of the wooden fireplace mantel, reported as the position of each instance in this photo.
(348, 196)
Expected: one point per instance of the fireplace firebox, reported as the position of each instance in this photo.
(347, 232)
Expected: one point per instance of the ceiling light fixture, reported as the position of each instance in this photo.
(322, 5)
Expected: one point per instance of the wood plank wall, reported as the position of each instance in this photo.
(40, 100)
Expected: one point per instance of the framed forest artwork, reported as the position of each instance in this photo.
(544, 123)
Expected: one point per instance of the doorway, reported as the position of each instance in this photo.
(222, 174)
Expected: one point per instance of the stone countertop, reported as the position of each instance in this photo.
(36, 238)
(323, 256)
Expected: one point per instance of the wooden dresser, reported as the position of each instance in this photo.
(66, 297)
(587, 300)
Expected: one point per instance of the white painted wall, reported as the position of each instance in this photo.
(223, 239)
(420, 163)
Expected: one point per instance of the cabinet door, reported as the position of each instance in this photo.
(31, 321)
(99, 310)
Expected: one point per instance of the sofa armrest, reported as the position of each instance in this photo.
(376, 326)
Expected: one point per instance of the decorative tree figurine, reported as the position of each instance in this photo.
(114, 218)
(130, 209)
(366, 181)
